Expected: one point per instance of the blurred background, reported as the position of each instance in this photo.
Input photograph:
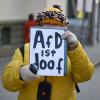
(84, 18)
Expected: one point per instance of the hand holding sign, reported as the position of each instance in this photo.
(71, 39)
(47, 51)
(28, 72)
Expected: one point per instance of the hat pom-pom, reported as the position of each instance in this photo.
(58, 7)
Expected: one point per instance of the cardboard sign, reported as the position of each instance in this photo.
(48, 51)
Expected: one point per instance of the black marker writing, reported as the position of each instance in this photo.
(59, 65)
(36, 39)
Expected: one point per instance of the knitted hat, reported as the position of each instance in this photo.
(52, 16)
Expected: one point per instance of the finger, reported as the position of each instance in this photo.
(63, 36)
(66, 35)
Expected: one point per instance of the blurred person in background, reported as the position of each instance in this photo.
(21, 76)
(28, 24)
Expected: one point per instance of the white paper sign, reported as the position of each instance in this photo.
(48, 51)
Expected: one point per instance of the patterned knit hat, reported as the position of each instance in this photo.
(52, 16)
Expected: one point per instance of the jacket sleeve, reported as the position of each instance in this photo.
(10, 77)
(82, 67)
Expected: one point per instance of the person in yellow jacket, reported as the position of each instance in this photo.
(21, 76)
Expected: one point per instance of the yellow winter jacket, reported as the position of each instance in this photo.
(80, 69)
